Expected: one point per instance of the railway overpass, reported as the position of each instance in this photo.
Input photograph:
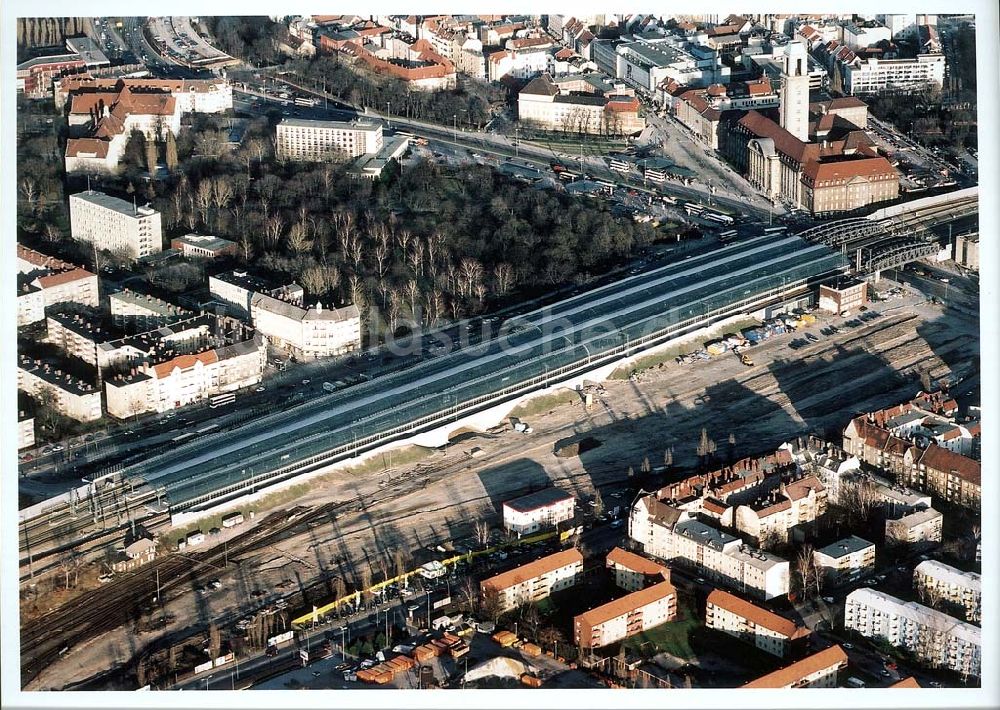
(586, 335)
(893, 236)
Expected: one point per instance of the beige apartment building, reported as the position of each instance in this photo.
(536, 580)
(634, 572)
(630, 615)
(792, 504)
(186, 379)
(307, 333)
(764, 629)
(30, 302)
(314, 141)
(936, 580)
(59, 281)
(820, 670)
(115, 225)
(921, 527)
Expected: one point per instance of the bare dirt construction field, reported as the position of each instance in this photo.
(813, 388)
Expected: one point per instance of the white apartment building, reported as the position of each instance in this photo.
(939, 640)
(115, 225)
(764, 629)
(670, 534)
(921, 527)
(309, 140)
(237, 288)
(630, 615)
(59, 281)
(186, 379)
(25, 431)
(69, 395)
(541, 509)
(520, 64)
(846, 560)
(536, 580)
(307, 333)
(793, 504)
(865, 35)
(952, 586)
(872, 76)
(820, 670)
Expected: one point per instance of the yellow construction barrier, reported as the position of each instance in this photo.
(318, 612)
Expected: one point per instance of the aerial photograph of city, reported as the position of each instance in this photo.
(509, 352)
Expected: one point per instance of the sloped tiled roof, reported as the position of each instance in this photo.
(534, 569)
(760, 617)
(938, 458)
(790, 675)
(626, 604)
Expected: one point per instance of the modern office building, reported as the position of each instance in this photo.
(315, 141)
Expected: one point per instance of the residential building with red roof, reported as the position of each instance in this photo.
(627, 616)
(820, 670)
(766, 630)
(535, 580)
(59, 281)
(634, 572)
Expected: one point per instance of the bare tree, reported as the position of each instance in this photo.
(339, 588)
(806, 568)
(415, 257)
(531, 621)
(598, 503)
(222, 191)
(399, 561)
(214, 641)
(646, 467)
(468, 595)
(298, 239)
(492, 605)
(859, 497)
(504, 275)
(273, 228)
(482, 531)
(203, 198)
(366, 582)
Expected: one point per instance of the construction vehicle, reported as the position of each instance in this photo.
(745, 359)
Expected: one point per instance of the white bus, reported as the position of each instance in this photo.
(775, 230)
(718, 217)
(221, 400)
(728, 235)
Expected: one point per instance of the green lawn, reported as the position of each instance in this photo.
(671, 637)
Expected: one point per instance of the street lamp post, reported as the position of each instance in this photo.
(388, 118)
(454, 126)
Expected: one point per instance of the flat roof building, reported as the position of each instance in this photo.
(940, 640)
(544, 508)
(115, 225)
(203, 246)
(936, 581)
(313, 140)
(846, 560)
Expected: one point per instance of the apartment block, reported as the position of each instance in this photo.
(68, 394)
(536, 580)
(962, 590)
(541, 509)
(30, 302)
(794, 504)
(922, 527)
(671, 534)
(182, 379)
(939, 640)
(748, 622)
(846, 560)
(58, 280)
(139, 312)
(79, 333)
(634, 572)
(555, 106)
(630, 615)
(314, 141)
(115, 225)
(820, 670)
(237, 288)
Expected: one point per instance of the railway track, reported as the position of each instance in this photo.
(120, 602)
